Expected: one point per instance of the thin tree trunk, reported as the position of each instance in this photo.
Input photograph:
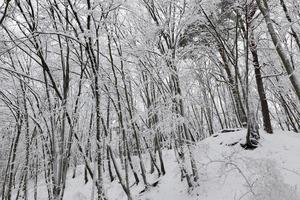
(125, 188)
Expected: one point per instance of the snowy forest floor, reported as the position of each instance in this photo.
(226, 172)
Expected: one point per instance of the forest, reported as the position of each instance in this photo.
(99, 97)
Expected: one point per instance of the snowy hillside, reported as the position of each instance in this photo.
(227, 172)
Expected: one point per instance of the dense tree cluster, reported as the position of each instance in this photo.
(103, 83)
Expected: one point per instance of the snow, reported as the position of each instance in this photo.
(273, 168)
(227, 172)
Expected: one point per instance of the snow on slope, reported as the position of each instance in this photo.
(227, 172)
(270, 172)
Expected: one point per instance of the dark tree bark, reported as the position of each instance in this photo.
(260, 87)
(264, 8)
(258, 77)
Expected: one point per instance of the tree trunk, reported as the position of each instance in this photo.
(263, 6)
(257, 71)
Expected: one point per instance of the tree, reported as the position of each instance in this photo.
(6, 6)
(264, 8)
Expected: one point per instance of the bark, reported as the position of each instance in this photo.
(288, 17)
(257, 69)
(260, 87)
(263, 6)
(125, 188)
(131, 166)
(4, 12)
(233, 85)
(27, 145)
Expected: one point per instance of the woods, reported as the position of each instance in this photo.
(110, 84)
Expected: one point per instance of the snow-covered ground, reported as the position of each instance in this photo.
(226, 172)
